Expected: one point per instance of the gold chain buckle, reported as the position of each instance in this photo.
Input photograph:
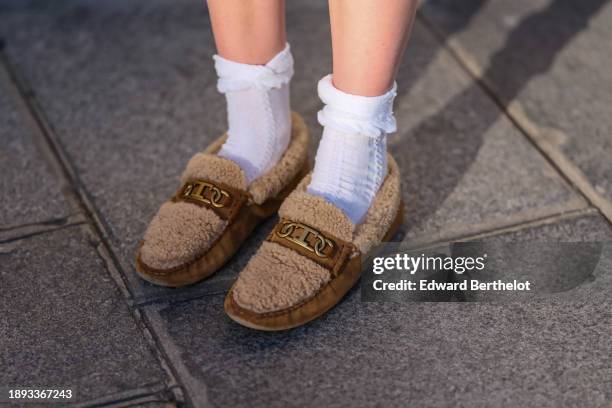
(288, 229)
(206, 192)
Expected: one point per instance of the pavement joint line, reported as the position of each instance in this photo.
(58, 159)
(475, 228)
(49, 222)
(566, 216)
(107, 259)
(23, 231)
(536, 222)
(52, 149)
(110, 266)
(519, 118)
(167, 299)
(193, 388)
(136, 395)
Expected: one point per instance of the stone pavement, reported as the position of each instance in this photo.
(504, 118)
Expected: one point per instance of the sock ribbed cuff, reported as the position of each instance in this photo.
(367, 115)
(235, 76)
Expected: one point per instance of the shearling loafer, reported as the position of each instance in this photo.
(213, 211)
(311, 258)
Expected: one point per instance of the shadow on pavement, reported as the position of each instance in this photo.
(530, 50)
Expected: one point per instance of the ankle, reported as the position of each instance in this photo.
(259, 117)
(351, 162)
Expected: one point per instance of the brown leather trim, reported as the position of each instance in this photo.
(309, 309)
(224, 200)
(319, 246)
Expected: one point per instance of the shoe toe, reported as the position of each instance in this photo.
(278, 278)
(178, 234)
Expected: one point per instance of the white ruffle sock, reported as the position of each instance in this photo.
(258, 113)
(351, 162)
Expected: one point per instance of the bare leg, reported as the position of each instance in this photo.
(368, 39)
(248, 31)
(254, 66)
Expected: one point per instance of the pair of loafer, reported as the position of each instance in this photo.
(308, 262)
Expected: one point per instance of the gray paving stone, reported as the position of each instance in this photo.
(132, 96)
(150, 397)
(431, 354)
(465, 167)
(64, 322)
(577, 264)
(548, 353)
(29, 191)
(590, 227)
(553, 57)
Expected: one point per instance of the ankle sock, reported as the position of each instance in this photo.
(258, 113)
(351, 161)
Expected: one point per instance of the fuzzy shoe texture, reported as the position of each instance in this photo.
(182, 230)
(184, 233)
(283, 285)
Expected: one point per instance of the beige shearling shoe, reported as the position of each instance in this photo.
(202, 226)
(312, 258)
